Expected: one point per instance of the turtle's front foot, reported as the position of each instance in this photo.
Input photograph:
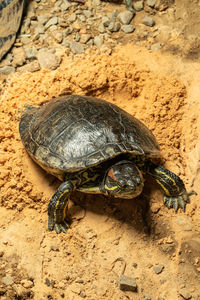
(58, 227)
(179, 201)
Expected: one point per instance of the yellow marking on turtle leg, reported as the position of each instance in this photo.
(174, 182)
(163, 187)
(57, 204)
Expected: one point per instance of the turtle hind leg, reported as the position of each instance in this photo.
(175, 194)
(57, 208)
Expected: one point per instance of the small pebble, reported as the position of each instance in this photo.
(151, 3)
(185, 293)
(6, 70)
(139, 5)
(114, 27)
(7, 280)
(52, 21)
(147, 297)
(98, 41)
(127, 28)
(76, 47)
(48, 60)
(156, 47)
(148, 21)
(158, 269)
(27, 283)
(127, 283)
(126, 16)
(101, 28)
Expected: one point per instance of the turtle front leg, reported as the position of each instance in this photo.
(57, 208)
(175, 194)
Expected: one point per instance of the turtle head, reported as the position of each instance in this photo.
(123, 180)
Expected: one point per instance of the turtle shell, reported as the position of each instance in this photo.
(74, 132)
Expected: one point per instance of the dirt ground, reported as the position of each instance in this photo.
(163, 92)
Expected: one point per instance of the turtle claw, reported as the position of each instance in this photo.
(179, 201)
(58, 227)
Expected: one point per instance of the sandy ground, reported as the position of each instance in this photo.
(163, 92)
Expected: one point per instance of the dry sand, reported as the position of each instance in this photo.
(163, 92)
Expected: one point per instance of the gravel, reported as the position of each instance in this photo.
(69, 26)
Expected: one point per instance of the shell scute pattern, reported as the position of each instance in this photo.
(74, 132)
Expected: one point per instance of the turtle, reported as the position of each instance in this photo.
(94, 146)
(10, 18)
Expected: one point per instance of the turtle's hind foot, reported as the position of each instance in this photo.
(58, 227)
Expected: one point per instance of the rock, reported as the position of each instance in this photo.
(158, 269)
(139, 5)
(127, 28)
(82, 294)
(114, 27)
(6, 70)
(39, 29)
(7, 280)
(48, 60)
(185, 293)
(31, 53)
(66, 42)
(52, 21)
(105, 21)
(127, 283)
(97, 2)
(65, 5)
(163, 5)
(68, 30)
(77, 37)
(151, 3)
(43, 19)
(72, 18)
(114, 14)
(27, 283)
(54, 248)
(148, 21)
(31, 67)
(156, 47)
(98, 41)
(82, 18)
(85, 38)
(147, 297)
(19, 57)
(101, 28)
(57, 35)
(88, 13)
(106, 50)
(76, 47)
(126, 16)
